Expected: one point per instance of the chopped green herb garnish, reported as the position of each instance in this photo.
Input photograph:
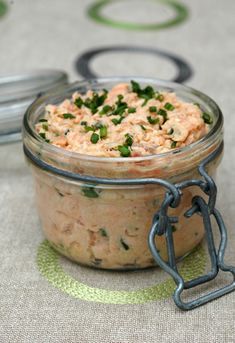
(96, 101)
(90, 192)
(146, 93)
(129, 139)
(84, 123)
(68, 116)
(78, 102)
(106, 109)
(43, 135)
(173, 144)
(197, 104)
(103, 132)
(169, 106)
(153, 121)
(163, 113)
(125, 246)
(94, 138)
(103, 232)
(89, 128)
(207, 118)
(173, 228)
(42, 120)
(98, 125)
(152, 109)
(131, 110)
(160, 97)
(117, 121)
(144, 103)
(143, 128)
(45, 127)
(121, 106)
(170, 131)
(124, 150)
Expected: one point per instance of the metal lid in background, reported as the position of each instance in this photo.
(17, 92)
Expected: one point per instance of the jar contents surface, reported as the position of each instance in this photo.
(127, 121)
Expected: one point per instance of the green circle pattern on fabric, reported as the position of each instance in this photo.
(181, 13)
(3, 8)
(49, 266)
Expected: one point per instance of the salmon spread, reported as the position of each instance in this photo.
(107, 226)
(127, 121)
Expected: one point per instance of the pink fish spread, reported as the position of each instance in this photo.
(126, 121)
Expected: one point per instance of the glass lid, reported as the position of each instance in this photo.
(17, 92)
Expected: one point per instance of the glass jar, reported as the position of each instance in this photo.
(107, 226)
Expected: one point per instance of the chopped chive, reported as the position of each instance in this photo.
(89, 128)
(120, 97)
(173, 144)
(45, 127)
(124, 150)
(90, 192)
(146, 93)
(68, 116)
(169, 106)
(170, 131)
(43, 135)
(121, 106)
(78, 102)
(42, 120)
(152, 109)
(103, 232)
(106, 109)
(94, 138)
(96, 101)
(131, 110)
(160, 97)
(129, 139)
(163, 113)
(117, 121)
(84, 123)
(144, 103)
(98, 125)
(152, 121)
(103, 132)
(125, 246)
(143, 128)
(207, 118)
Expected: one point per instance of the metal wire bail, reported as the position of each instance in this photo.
(162, 225)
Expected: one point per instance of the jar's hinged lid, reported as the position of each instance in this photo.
(17, 92)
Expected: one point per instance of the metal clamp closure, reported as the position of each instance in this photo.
(162, 225)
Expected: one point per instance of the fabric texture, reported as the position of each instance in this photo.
(52, 34)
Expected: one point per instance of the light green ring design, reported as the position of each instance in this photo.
(3, 8)
(181, 13)
(48, 264)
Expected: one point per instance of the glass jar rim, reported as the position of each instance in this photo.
(171, 86)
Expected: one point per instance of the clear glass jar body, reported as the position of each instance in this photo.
(107, 226)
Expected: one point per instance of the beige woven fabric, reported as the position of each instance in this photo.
(51, 34)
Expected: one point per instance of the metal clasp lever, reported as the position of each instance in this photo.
(162, 225)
